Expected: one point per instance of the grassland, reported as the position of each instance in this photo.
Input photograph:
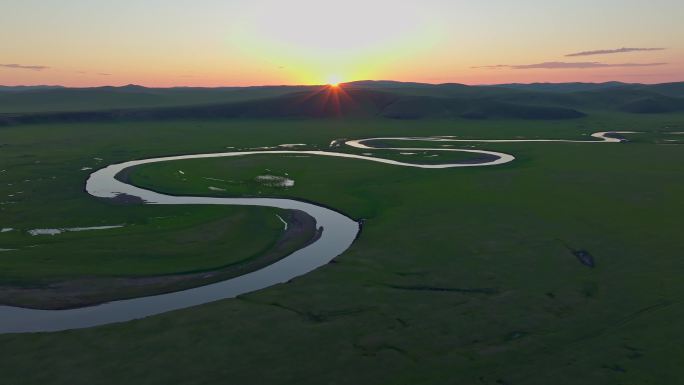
(42, 188)
(462, 276)
(108, 98)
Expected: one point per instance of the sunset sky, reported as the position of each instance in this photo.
(257, 42)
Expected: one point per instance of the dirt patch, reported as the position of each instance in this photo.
(125, 199)
(124, 175)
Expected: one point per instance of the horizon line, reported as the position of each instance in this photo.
(324, 85)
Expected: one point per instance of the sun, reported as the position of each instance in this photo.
(334, 81)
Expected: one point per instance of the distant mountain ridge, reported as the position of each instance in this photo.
(562, 87)
(385, 99)
(28, 88)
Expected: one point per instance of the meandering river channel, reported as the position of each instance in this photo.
(338, 234)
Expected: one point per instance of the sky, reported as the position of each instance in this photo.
(165, 43)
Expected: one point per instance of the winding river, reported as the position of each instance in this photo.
(338, 234)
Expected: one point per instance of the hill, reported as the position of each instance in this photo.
(561, 87)
(57, 99)
(385, 99)
(321, 103)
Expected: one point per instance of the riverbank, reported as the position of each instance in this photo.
(88, 291)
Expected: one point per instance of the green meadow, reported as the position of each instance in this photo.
(460, 276)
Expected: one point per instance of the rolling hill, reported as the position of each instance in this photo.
(385, 99)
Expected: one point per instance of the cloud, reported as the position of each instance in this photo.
(494, 67)
(565, 65)
(612, 51)
(104, 74)
(24, 67)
